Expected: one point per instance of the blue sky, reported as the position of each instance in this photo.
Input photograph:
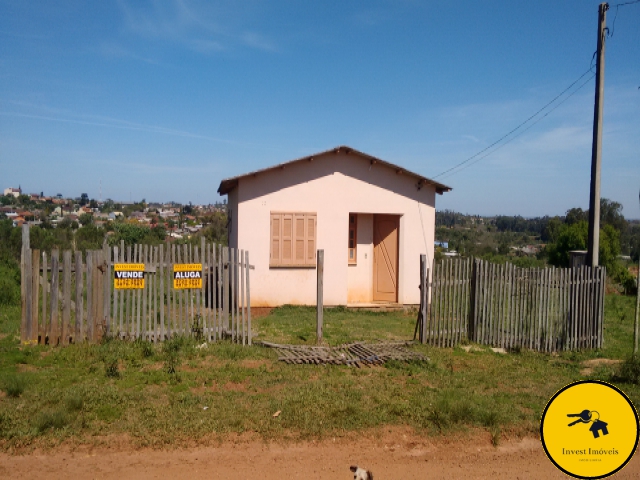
(161, 100)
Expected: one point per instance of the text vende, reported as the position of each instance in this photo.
(123, 275)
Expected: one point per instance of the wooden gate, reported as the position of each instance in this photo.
(67, 298)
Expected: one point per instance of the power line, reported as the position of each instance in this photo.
(626, 3)
(519, 126)
(523, 131)
(618, 5)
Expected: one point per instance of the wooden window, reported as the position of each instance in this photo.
(353, 238)
(293, 239)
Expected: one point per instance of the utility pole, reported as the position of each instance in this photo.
(596, 150)
(637, 321)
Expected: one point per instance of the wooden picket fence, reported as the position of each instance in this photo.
(543, 309)
(68, 299)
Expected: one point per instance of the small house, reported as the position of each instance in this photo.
(372, 218)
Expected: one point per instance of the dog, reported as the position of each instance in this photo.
(360, 473)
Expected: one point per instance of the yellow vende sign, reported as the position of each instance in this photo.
(589, 429)
(128, 275)
(187, 275)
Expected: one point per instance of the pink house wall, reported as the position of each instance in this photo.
(332, 185)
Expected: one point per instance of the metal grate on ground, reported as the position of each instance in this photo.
(354, 354)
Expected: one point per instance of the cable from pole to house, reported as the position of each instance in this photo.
(522, 131)
(618, 5)
(455, 167)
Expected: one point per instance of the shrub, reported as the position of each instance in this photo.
(111, 368)
(630, 371)
(55, 420)
(9, 286)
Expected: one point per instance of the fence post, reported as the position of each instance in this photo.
(26, 286)
(472, 301)
(248, 299)
(225, 287)
(319, 299)
(424, 298)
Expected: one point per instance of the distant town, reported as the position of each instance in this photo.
(178, 220)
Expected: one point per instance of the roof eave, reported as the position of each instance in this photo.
(228, 184)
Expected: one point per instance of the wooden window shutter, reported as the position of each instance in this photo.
(300, 238)
(287, 239)
(276, 239)
(293, 239)
(310, 244)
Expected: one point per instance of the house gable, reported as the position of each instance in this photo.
(348, 156)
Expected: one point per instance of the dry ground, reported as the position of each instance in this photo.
(395, 454)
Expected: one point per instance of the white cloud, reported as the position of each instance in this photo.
(201, 27)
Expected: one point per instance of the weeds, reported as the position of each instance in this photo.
(162, 390)
(171, 349)
(630, 371)
(74, 403)
(52, 419)
(146, 349)
(14, 385)
(111, 368)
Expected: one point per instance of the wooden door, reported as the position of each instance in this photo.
(385, 258)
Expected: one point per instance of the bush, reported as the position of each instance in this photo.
(54, 420)
(9, 286)
(630, 371)
(111, 368)
(627, 281)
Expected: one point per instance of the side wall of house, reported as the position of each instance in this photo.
(332, 186)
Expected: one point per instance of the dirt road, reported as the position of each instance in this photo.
(389, 456)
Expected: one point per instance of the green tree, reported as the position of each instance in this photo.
(89, 237)
(576, 215)
(86, 219)
(216, 230)
(611, 214)
(575, 237)
(551, 230)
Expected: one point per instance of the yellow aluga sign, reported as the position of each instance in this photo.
(589, 429)
(187, 275)
(128, 275)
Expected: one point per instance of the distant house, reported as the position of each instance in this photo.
(15, 192)
(372, 218)
(442, 244)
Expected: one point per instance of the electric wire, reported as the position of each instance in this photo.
(523, 131)
(465, 163)
(618, 5)
(518, 127)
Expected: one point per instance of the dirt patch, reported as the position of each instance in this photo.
(590, 365)
(259, 312)
(255, 363)
(390, 454)
(235, 387)
(26, 368)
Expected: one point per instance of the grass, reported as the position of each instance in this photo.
(297, 325)
(160, 392)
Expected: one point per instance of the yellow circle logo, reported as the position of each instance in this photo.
(589, 429)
